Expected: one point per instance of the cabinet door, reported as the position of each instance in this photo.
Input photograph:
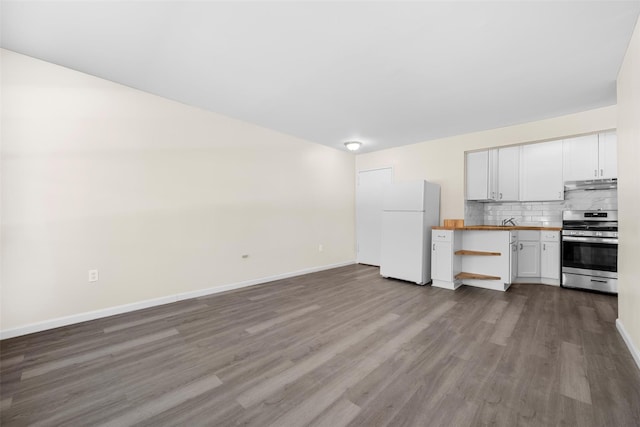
(580, 158)
(441, 261)
(514, 262)
(477, 175)
(550, 260)
(528, 259)
(508, 173)
(541, 172)
(608, 155)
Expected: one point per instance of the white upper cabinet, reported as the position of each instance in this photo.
(590, 157)
(541, 172)
(477, 173)
(493, 174)
(537, 172)
(480, 176)
(508, 174)
(608, 155)
(580, 158)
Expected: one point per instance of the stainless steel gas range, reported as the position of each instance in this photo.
(590, 250)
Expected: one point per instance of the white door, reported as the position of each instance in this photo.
(371, 187)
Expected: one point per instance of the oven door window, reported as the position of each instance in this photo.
(590, 256)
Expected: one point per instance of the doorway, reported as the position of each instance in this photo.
(371, 185)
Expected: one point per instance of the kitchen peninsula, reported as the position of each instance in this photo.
(493, 257)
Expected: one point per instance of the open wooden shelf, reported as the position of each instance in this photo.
(476, 276)
(479, 253)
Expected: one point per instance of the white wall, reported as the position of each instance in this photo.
(162, 198)
(629, 192)
(442, 160)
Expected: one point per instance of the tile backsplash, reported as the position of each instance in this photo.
(473, 213)
(539, 213)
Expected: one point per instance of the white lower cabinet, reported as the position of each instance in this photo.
(528, 253)
(494, 259)
(442, 261)
(528, 259)
(513, 260)
(539, 257)
(444, 264)
(550, 255)
(485, 259)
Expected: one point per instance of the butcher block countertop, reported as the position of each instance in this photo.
(498, 228)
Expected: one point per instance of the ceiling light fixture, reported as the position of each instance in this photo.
(352, 145)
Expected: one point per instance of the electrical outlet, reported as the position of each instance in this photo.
(320, 247)
(93, 276)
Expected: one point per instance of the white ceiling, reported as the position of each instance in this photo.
(385, 73)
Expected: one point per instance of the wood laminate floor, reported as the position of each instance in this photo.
(339, 347)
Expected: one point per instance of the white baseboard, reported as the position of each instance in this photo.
(536, 281)
(111, 311)
(494, 285)
(627, 340)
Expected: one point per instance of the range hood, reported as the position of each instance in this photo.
(592, 184)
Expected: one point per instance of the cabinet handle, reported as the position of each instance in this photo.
(595, 172)
(601, 172)
(520, 246)
(434, 246)
(560, 195)
(544, 246)
(500, 196)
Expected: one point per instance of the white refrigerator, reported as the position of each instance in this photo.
(409, 211)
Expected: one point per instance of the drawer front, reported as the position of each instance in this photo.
(528, 235)
(550, 236)
(442, 235)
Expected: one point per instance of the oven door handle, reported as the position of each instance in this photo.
(590, 239)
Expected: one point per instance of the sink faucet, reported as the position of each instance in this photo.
(510, 221)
